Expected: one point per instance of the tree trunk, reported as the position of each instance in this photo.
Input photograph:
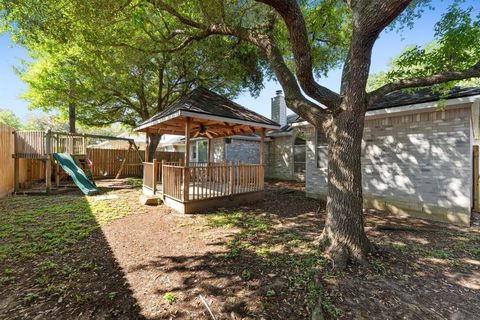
(343, 237)
(72, 117)
(153, 141)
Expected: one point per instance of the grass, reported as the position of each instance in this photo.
(457, 244)
(283, 252)
(169, 297)
(34, 227)
(134, 182)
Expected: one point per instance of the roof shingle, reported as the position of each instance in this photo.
(204, 101)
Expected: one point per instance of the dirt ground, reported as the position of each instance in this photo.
(258, 261)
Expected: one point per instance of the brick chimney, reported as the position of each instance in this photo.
(279, 108)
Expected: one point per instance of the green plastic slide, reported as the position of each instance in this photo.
(68, 164)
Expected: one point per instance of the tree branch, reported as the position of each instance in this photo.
(371, 17)
(294, 97)
(472, 72)
(291, 13)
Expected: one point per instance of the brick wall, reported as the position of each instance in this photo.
(246, 151)
(243, 150)
(280, 162)
(418, 164)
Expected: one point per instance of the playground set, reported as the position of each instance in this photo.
(66, 153)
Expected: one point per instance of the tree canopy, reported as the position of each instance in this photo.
(98, 56)
(236, 44)
(455, 47)
(10, 119)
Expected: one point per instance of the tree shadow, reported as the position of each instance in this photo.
(55, 261)
(259, 261)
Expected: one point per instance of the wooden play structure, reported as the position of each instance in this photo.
(190, 187)
(40, 146)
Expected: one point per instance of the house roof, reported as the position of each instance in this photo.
(202, 103)
(399, 98)
(291, 118)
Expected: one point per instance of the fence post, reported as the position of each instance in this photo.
(232, 176)
(84, 142)
(155, 173)
(186, 183)
(16, 173)
(162, 178)
(48, 164)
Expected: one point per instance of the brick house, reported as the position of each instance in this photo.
(420, 155)
(285, 154)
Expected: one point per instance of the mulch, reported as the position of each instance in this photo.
(141, 257)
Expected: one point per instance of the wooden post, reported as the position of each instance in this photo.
(155, 175)
(48, 163)
(70, 145)
(187, 142)
(476, 189)
(138, 151)
(186, 183)
(123, 162)
(147, 147)
(57, 174)
(209, 150)
(231, 177)
(84, 141)
(162, 179)
(16, 174)
(262, 146)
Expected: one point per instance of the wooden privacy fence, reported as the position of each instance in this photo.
(29, 169)
(6, 160)
(107, 162)
(203, 181)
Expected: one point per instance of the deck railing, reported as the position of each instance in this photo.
(204, 181)
(150, 177)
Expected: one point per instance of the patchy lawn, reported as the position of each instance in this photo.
(70, 256)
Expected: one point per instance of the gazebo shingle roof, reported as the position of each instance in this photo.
(202, 101)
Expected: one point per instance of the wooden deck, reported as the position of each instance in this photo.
(203, 186)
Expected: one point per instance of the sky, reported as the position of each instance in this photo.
(389, 45)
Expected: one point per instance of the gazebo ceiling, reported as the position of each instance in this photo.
(210, 115)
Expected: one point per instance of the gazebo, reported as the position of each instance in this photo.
(190, 187)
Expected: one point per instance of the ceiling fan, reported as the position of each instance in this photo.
(203, 131)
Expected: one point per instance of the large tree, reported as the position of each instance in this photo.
(107, 66)
(301, 40)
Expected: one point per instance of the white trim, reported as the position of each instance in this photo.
(166, 118)
(472, 180)
(301, 124)
(476, 119)
(409, 108)
(419, 106)
(226, 119)
(280, 134)
(247, 138)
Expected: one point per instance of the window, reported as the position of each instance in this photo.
(299, 153)
(321, 149)
(199, 150)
